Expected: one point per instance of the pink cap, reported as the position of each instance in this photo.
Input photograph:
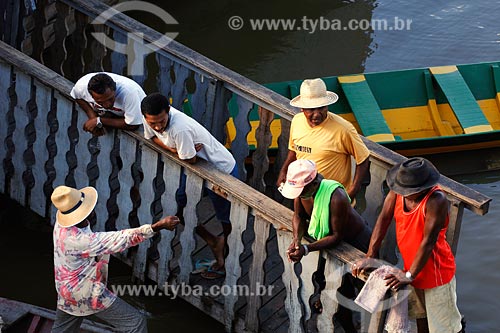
(300, 173)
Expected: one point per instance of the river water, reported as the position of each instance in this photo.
(440, 33)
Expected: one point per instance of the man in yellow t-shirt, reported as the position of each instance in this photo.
(325, 138)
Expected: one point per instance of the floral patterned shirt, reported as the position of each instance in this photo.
(81, 260)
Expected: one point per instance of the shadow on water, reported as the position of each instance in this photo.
(26, 254)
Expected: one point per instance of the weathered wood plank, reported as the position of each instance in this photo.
(239, 217)
(334, 270)
(5, 72)
(21, 116)
(136, 64)
(239, 146)
(171, 176)
(102, 184)
(455, 224)
(149, 162)
(43, 103)
(64, 113)
(194, 188)
(256, 275)
(260, 159)
(291, 282)
(124, 200)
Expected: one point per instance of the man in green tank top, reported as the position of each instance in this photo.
(323, 208)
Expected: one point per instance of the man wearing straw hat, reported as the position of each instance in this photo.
(81, 260)
(420, 209)
(325, 138)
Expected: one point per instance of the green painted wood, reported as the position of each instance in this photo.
(365, 108)
(496, 77)
(461, 100)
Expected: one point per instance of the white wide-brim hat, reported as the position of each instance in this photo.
(73, 206)
(313, 94)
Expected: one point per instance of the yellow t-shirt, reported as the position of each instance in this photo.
(330, 145)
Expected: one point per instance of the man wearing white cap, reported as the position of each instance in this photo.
(81, 260)
(325, 138)
(326, 205)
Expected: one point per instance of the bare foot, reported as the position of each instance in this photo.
(218, 251)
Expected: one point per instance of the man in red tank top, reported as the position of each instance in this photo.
(420, 210)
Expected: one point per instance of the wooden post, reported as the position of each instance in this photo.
(171, 175)
(260, 159)
(194, 188)
(239, 218)
(334, 271)
(256, 272)
(239, 146)
(291, 282)
(149, 161)
(43, 101)
(5, 82)
(105, 168)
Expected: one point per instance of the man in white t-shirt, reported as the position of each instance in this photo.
(175, 131)
(109, 100)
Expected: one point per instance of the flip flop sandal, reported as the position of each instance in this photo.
(212, 274)
(202, 265)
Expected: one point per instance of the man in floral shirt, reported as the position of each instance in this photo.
(81, 260)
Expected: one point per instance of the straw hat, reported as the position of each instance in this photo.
(412, 176)
(73, 206)
(300, 173)
(313, 94)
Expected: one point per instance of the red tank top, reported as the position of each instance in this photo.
(440, 268)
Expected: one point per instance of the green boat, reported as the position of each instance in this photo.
(414, 112)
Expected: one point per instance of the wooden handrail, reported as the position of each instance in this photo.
(473, 200)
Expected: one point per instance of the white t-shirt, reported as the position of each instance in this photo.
(128, 97)
(183, 132)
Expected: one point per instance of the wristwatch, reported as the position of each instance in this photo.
(99, 124)
(408, 275)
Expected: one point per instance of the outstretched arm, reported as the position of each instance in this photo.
(378, 234)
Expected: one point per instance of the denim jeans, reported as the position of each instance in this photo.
(222, 206)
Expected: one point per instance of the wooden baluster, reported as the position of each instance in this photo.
(81, 150)
(171, 175)
(137, 63)
(280, 156)
(239, 146)
(43, 101)
(198, 99)
(220, 112)
(119, 59)
(334, 271)
(68, 17)
(21, 116)
(76, 44)
(149, 162)
(5, 82)
(291, 282)
(194, 187)
(239, 218)
(256, 272)
(104, 165)
(309, 266)
(260, 160)
(164, 79)
(64, 113)
(179, 91)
